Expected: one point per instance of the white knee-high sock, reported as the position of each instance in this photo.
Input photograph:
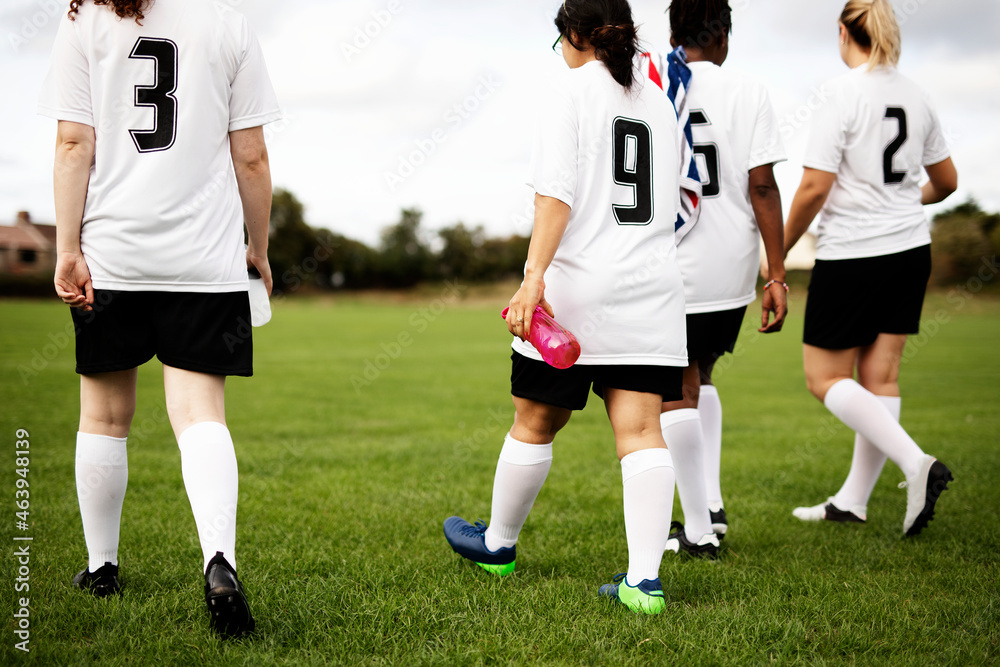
(683, 435)
(866, 465)
(648, 494)
(861, 410)
(101, 480)
(710, 409)
(208, 463)
(521, 472)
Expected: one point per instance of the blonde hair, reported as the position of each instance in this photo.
(872, 24)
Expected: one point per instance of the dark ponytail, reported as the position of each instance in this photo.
(607, 26)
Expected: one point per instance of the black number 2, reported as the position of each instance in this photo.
(634, 168)
(891, 177)
(713, 186)
(160, 96)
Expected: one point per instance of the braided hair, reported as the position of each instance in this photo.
(700, 23)
(606, 25)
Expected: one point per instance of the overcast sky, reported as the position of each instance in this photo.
(432, 108)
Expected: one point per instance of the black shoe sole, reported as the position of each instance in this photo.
(229, 613)
(834, 513)
(937, 483)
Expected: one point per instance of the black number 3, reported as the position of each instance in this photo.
(891, 177)
(160, 96)
(634, 168)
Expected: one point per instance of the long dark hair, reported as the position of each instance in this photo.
(700, 23)
(607, 25)
(125, 9)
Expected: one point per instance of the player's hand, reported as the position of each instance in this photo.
(72, 281)
(522, 307)
(259, 262)
(775, 301)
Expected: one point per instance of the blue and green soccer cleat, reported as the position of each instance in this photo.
(469, 542)
(646, 598)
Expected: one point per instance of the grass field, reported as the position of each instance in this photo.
(370, 420)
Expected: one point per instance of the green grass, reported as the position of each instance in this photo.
(344, 486)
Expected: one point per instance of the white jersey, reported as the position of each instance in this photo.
(876, 133)
(612, 156)
(735, 130)
(163, 211)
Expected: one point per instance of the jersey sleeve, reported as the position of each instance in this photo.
(766, 146)
(554, 170)
(252, 101)
(827, 136)
(935, 147)
(65, 93)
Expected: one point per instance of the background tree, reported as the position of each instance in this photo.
(404, 258)
(963, 238)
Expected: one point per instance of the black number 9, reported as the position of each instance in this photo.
(633, 156)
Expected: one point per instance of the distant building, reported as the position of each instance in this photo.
(26, 248)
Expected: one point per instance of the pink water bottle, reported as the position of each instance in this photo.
(559, 348)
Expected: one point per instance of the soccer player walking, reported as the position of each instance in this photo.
(735, 130)
(867, 152)
(160, 159)
(602, 260)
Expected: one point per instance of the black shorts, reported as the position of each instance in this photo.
(711, 335)
(852, 301)
(205, 333)
(569, 388)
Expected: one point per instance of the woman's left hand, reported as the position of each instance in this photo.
(522, 307)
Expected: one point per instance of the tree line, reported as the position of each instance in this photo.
(315, 258)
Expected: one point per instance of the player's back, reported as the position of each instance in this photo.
(612, 155)
(876, 134)
(734, 130)
(162, 97)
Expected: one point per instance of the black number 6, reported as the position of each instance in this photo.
(633, 156)
(163, 53)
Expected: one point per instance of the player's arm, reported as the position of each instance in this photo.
(75, 144)
(253, 175)
(766, 201)
(944, 181)
(809, 199)
(551, 218)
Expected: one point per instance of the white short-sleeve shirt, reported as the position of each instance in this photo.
(163, 211)
(735, 130)
(612, 156)
(876, 133)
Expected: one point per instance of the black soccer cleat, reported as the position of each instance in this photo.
(922, 493)
(229, 613)
(719, 523)
(102, 583)
(707, 547)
